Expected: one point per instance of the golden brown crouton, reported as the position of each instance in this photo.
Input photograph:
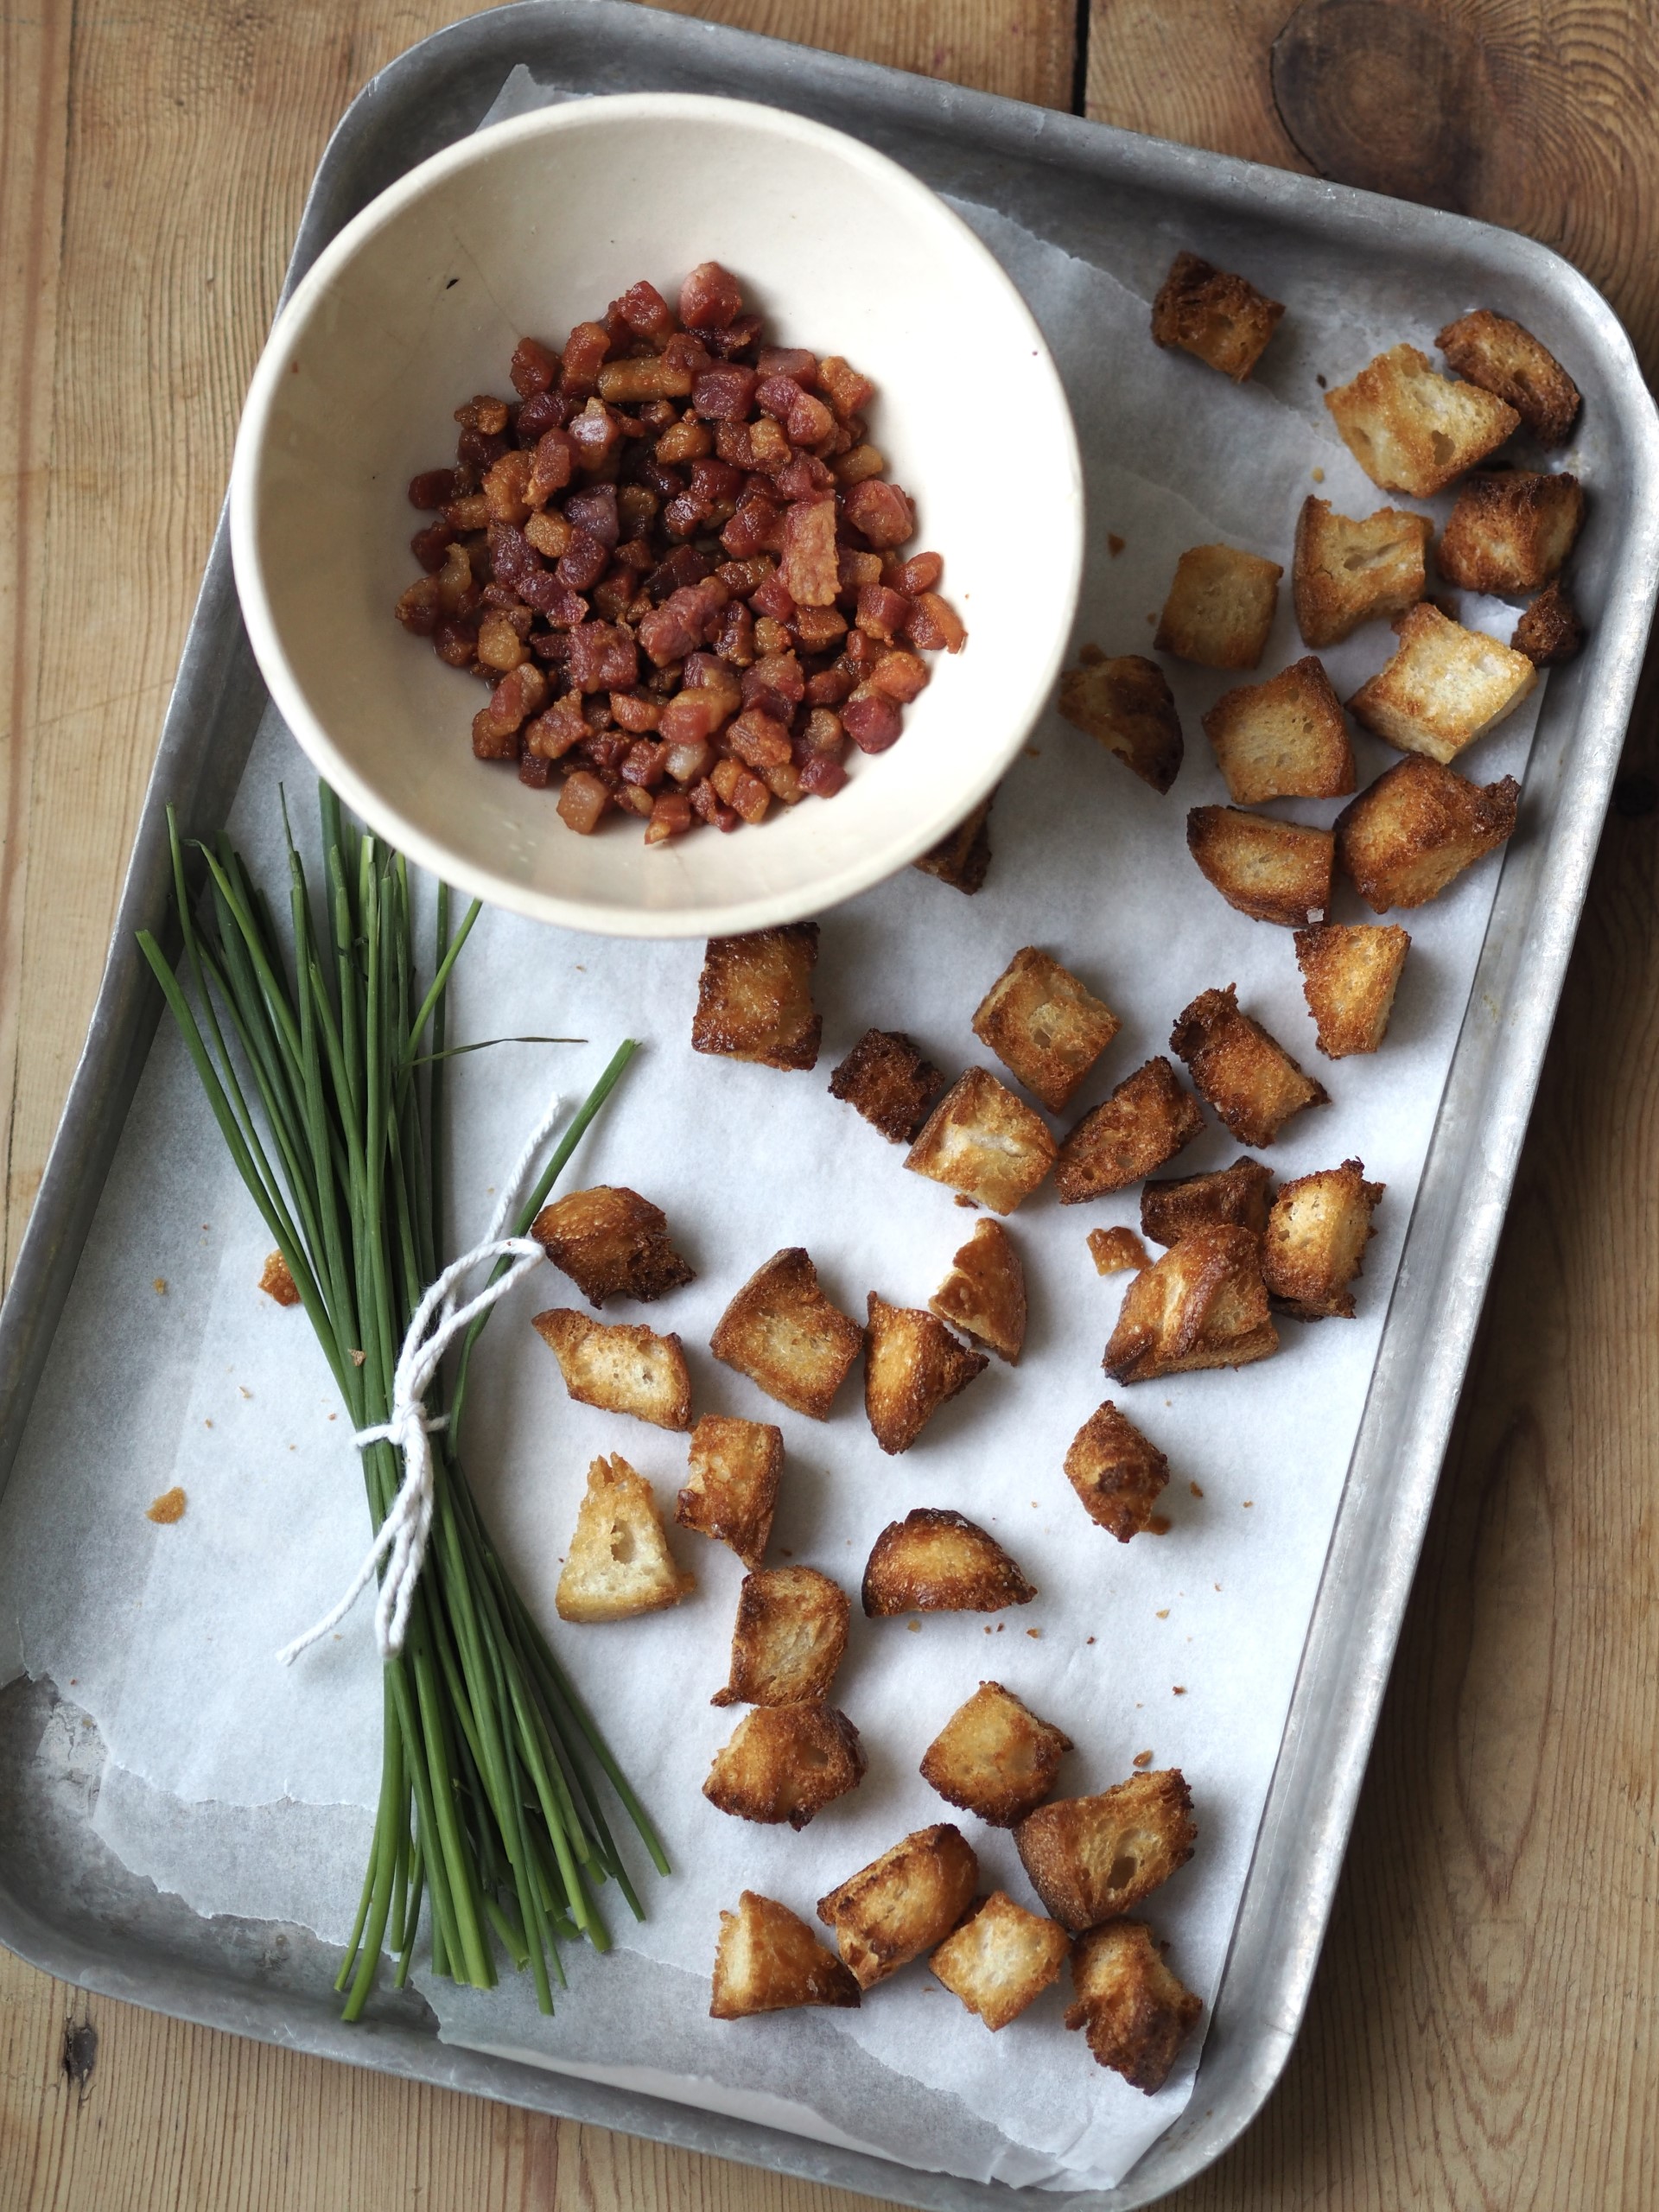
(1137, 2013)
(1350, 974)
(984, 1294)
(1350, 569)
(1209, 312)
(619, 1563)
(1316, 1240)
(1250, 1080)
(1237, 1197)
(789, 1639)
(1220, 607)
(755, 998)
(1410, 429)
(1145, 1121)
(1203, 1305)
(1044, 1026)
(913, 1366)
(276, 1282)
(1126, 704)
(785, 1335)
(961, 859)
(886, 1080)
(1283, 738)
(1273, 871)
(1116, 1472)
(936, 1561)
(1549, 630)
(1445, 687)
(731, 1484)
(1091, 1857)
(1502, 356)
(611, 1244)
(1406, 836)
(786, 1763)
(982, 1140)
(1001, 1959)
(993, 1757)
(1511, 532)
(621, 1367)
(1112, 1250)
(903, 1903)
(768, 1959)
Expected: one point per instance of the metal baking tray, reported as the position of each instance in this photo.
(65, 1903)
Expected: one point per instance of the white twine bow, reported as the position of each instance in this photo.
(408, 1523)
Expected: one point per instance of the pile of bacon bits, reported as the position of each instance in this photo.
(677, 561)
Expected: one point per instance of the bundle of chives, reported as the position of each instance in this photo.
(490, 1807)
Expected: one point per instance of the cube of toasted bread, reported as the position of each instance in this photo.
(962, 858)
(1549, 630)
(1410, 429)
(1283, 738)
(619, 1563)
(1273, 871)
(1001, 1960)
(993, 1757)
(984, 1294)
(1503, 357)
(1316, 1240)
(913, 1366)
(1128, 706)
(611, 1244)
(1409, 834)
(982, 1140)
(1209, 312)
(1203, 1304)
(1350, 975)
(886, 1080)
(1116, 1472)
(1145, 1121)
(1113, 1250)
(1220, 607)
(1044, 1026)
(1137, 2014)
(786, 1763)
(731, 1484)
(1445, 687)
(903, 1903)
(789, 1639)
(621, 1367)
(937, 1562)
(768, 1959)
(1091, 1857)
(276, 1282)
(1237, 1197)
(1510, 531)
(785, 1335)
(1350, 569)
(755, 998)
(1250, 1080)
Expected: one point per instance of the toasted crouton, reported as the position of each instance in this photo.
(1511, 532)
(768, 1959)
(1209, 312)
(1406, 836)
(1273, 871)
(1350, 569)
(984, 1294)
(1238, 1197)
(1549, 630)
(1044, 1026)
(1116, 1472)
(1126, 704)
(755, 998)
(1136, 2013)
(621, 1367)
(993, 1757)
(786, 1763)
(913, 1366)
(789, 1639)
(276, 1282)
(1202, 1305)
(619, 1563)
(961, 859)
(903, 1903)
(1283, 738)
(1445, 687)
(1503, 357)
(731, 1484)
(1113, 1250)
(1316, 1240)
(785, 1335)
(1091, 1857)
(1145, 1121)
(1251, 1081)
(886, 1080)
(982, 1140)
(1350, 974)
(936, 1561)
(1410, 429)
(1001, 1959)
(1220, 607)
(611, 1244)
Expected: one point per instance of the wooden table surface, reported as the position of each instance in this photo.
(1482, 2030)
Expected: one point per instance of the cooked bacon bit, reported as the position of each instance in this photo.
(822, 775)
(432, 489)
(935, 625)
(725, 394)
(882, 513)
(849, 392)
(582, 800)
(900, 676)
(912, 577)
(552, 468)
(645, 312)
(670, 816)
(709, 298)
(684, 621)
(858, 464)
(484, 414)
(768, 444)
(533, 368)
(420, 608)
(499, 645)
(759, 740)
(585, 352)
(873, 722)
(816, 628)
(811, 570)
(551, 735)
(430, 545)
(743, 792)
(882, 613)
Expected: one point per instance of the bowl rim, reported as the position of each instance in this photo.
(382, 815)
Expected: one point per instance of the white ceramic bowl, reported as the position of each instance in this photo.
(532, 226)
